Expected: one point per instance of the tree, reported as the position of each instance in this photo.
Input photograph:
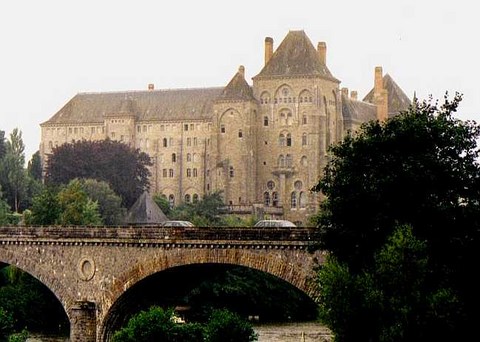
(203, 213)
(418, 169)
(34, 167)
(109, 203)
(226, 326)
(158, 324)
(75, 206)
(45, 207)
(125, 169)
(12, 172)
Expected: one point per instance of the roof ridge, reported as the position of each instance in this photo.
(145, 91)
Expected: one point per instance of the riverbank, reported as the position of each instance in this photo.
(293, 332)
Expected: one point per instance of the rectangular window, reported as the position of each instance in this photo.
(185, 127)
(222, 128)
(189, 141)
(170, 172)
(192, 126)
(194, 141)
(164, 173)
(189, 173)
(195, 173)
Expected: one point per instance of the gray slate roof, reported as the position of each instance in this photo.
(175, 104)
(358, 111)
(296, 56)
(397, 100)
(145, 211)
(237, 90)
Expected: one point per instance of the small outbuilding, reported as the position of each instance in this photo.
(145, 211)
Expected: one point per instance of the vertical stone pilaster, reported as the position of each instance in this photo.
(83, 323)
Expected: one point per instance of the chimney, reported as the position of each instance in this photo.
(151, 86)
(354, 95)
(345, 92)
(268, 49)
(380, 95)
(322, 52)
(378, 78)
(241, 70)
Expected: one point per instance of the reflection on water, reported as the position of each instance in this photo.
(292, 332)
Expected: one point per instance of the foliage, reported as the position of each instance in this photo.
(13, 176)
(45, 207)
(29, 303)
(6, 323)
(75, 206)
(204, 213)
(34, 168)
(162, 203)
(157, 324)
(125, 169)
(19, 337)
(109, 203)
(4, 211)
(418, 169)
(226, 326)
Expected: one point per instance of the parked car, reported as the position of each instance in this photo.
(275, 223)
(176, 224)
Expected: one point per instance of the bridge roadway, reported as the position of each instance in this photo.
(89, 268)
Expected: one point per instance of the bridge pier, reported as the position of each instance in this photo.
(83, 325)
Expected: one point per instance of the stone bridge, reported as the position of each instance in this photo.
(88, 268)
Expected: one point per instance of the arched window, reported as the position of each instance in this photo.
(171, 201)
(304, 119)
(270, 185)
(289, 139)
(288, 160)
(281, 161)
(293, 200)
(187, 198)
(303, 199)
(231, 171)
(195, 172)
(283, 119)
(275, 199)
(289, 118)
(189, 157)
(195, 198)
(170, 173)
(189, 172)
(298, 185)
(174, 158)
(266, 199)
(165, 142)
(281, 139)
(304, 139)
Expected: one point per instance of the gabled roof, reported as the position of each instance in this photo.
(174, 104)
(296, 56)
(357, 111)
(145, 211)
(397, 100)
(237, 89)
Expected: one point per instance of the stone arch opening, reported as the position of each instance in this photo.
(29, 298)
(189, 289)
(290, 264)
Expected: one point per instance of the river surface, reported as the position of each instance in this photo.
(281, 332)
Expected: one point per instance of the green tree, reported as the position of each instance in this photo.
(45, 207)
(162, 202)
(202, 213)
(226, 326)
(6, 323)
(34, 167)
(109, 203)
(418, 169)
(158, 324)
(125, 169)
(4, 211)
(12, 170)
(75, 206)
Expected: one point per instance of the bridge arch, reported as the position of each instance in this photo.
(290, 265)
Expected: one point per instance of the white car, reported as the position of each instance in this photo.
(275, 224)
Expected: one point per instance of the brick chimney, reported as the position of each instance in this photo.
(354, 95)
(345, 92)
(151, 86)
(322, 52)
(268, 49)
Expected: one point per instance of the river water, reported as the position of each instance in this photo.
(281, 332)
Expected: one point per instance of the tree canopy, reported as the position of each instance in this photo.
(418, 169)
(125, 169)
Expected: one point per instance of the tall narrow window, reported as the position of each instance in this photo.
(303, 200)
(293, 200)
(171, 201)
(275, 199)
(231, 171)
(281, 140)
(195, 172)
(266, 199)
(304, 139)
(170, 172)
(240, 133)
(174, 158)
(189, 172)
(195, 198)
(288, 160)
(281, 161)
(165, 173)
(189, 157)
(289, 139)
(222, 128)
(265, 120)
(165, 142)
(187, 196)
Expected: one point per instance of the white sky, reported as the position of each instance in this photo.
(53, 49)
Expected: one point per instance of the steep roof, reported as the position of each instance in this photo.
(145, 211)
(296, 56)
(357, 111)
(397, 100)
(237, 89)
(174, 104)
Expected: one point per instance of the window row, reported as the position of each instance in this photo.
(285, 119)
(301, 99)
(189, 172)
(187, 199)
(189, 142)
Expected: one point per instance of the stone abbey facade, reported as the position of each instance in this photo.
(263, 145)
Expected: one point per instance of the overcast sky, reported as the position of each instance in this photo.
(54, 49)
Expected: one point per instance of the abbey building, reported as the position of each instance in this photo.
(263, 145)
